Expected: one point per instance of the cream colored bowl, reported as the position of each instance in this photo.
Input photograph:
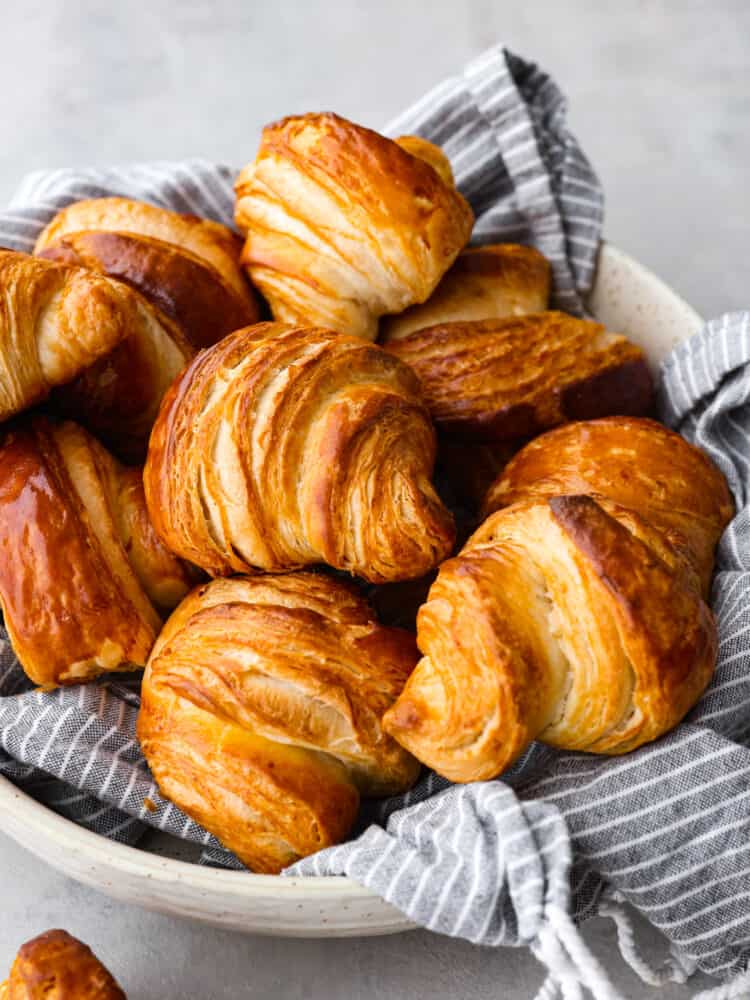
(628, 299)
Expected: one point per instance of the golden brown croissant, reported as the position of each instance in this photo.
(569, 619)
(82, 571)
(344, 225)
(55, 321)
(489, 282)
(281, 447)
(188, 268)
(188, 271)
(56, 966)
(637, 463)
(260, 712)
(503, 379)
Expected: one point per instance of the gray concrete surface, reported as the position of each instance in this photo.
(660, 98)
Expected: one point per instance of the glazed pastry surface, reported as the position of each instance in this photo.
(191, 293)
(55, 321)
(282, 447)
(56, 966)
(82, 572)
(498, 380)
(261, 708)
(344, 225)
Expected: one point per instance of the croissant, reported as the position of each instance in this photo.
(488, 282)
(260, 712)
(56, 966)
(637, 463)
(344, 225)
(497, 380)
(188, 268)
(82, 572)
(55, 321)
(188, 271)
(281, 447)
(572, 619)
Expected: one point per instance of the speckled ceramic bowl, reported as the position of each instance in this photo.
(627, 298)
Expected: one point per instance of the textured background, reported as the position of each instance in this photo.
(660, 99)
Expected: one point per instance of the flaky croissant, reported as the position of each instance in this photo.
(186, 268)
(82, 572)
(56, 966)
(637, 463)
(344, 225)
(488, 282)
(571, 619)
(498, 380)
(281, 447)
(260, 712)
(55, 321)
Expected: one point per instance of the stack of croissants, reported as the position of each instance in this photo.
(289, 394)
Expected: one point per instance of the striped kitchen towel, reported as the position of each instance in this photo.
(522, 860)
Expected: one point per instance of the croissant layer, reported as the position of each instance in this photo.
(281, 447)
(55, 321)
(487, 282)
(634, 461)
(570, 621)
(344, 225)
(511, 378)
(261, 710)
(191, 294)
(575, 614)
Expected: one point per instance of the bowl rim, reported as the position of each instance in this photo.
(19, 811)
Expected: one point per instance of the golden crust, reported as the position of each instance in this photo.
(282, 447)
(55, 321)
(210, 242)
(488, 282)
(260, 712)
(192, 294)
(187, 269)
(637, 463)
(344, 225)
(575, 614)
(497, 380)
(565, 620)
(79, 557)
(56, 966)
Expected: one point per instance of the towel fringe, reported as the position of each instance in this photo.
(572, 965)
(678, 968)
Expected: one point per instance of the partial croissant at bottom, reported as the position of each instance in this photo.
(572, 621)
(56, 966)
(260, 712)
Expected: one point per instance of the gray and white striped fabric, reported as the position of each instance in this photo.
(562, 836)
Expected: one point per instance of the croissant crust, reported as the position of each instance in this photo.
(55, 321)
(636, 462)
(193, 293)
(55, 966)
(487, 282)
(81, 568)
(503, 379)
(281, 447)
(575, 614)
(344, 225)
(261, 708)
